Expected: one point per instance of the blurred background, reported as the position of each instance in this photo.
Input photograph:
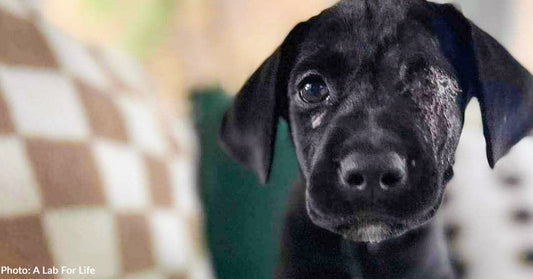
(186, 57)
(190, 43)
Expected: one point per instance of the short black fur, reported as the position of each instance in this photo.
(377, 150)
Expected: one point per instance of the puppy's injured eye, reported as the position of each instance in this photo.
(313, 89)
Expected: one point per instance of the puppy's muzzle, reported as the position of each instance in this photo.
(374, 174)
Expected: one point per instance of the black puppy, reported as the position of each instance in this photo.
(374, 92)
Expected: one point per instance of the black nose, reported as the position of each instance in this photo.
(383, 171)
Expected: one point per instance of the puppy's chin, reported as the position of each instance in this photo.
(372, 233)
(356, 229)
(364, 228)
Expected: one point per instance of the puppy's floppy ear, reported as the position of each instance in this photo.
(488, 72)
(249, 126)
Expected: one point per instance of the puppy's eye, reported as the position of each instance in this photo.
(313, 89)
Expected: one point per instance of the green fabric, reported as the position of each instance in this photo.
(243, 218)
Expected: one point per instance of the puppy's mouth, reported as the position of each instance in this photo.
(372, 232)
(371, 226)
(361, 227)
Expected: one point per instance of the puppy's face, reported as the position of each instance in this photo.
(375, 121)
(374, 92)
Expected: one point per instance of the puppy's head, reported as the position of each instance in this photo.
(374, 93)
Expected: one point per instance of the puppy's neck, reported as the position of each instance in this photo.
(420, 253)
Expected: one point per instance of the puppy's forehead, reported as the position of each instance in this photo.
(371, 19)
(379, 33)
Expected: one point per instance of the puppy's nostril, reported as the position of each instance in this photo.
(391, 179)
(355, 179)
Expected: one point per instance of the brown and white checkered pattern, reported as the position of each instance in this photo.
(93, 171)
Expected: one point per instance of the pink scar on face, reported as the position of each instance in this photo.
(316, 120)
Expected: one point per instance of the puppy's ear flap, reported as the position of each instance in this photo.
(249, 126)
(505, 94)
(488, 72)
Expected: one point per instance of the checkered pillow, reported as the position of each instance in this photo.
(93, 171)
